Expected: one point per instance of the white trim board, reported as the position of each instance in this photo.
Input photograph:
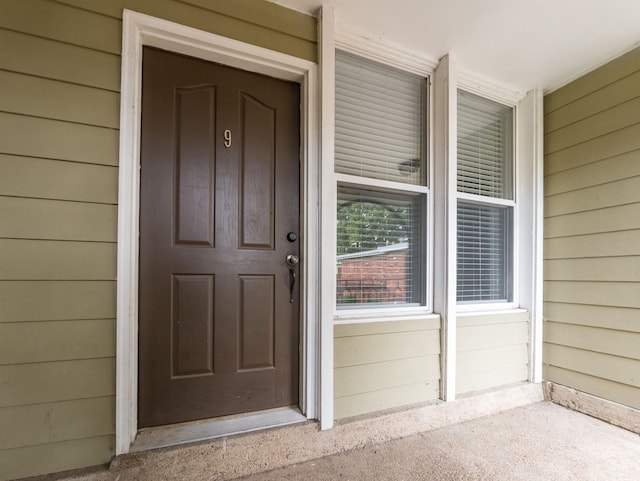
(140, 30)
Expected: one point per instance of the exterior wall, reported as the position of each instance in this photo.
(59, 118)
(492, 350)
(592, 233)
(383, 365)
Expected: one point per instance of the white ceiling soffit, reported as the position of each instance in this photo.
(522, 44)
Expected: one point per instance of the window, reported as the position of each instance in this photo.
(380, 167)
(485, 200)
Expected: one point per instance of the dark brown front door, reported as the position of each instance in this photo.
(219, 195)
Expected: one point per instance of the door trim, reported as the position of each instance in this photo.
(140, 30)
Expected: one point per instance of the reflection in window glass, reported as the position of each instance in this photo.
(378, 248)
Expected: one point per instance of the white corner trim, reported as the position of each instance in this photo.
(328, 203)
(537, 320)
(444, 191)
(139, 30)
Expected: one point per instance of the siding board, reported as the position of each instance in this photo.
(54, 139)
(56, 381)
(59, 421)
(53, 457)
(466, 383)
(608, 219)
(24, 342)
(60, 22)
(599, 148)
(352, 380)
(603, 269)
(486, 337)
(58, 180)
(611, 120)
(269, 15)
(379, 400)
(42, 57)
(605, 244)
(614, 368)
(624, 191)
(617, 318)
(264, 14)
(270, 26)
(55, 260)
(614, 294)
(57, 300)
(53, 99)
(613, 71)
(627, 88)
(492, 359)
(600, 172)
(57, 220)
(350, 351)
(600, 340)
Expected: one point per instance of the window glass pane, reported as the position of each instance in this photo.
(484, 146)
(379, 121)
(484, 252)
(379, 248)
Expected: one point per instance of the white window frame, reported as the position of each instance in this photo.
(510, 101)
(384, 54)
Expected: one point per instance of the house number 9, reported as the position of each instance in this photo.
(227, 138)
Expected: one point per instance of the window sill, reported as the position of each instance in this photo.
(359, 316)
(488, 309)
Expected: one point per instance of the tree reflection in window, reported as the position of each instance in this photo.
(378, 238)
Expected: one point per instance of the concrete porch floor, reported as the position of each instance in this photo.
(520, 438)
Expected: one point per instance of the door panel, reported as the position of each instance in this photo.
(195, 165)
(257, 181)
(219, 193)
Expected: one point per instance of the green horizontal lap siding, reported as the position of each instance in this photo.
(256, 22)
(42, 423)
(382, 365)
(52, 457)
(59, 118)
(592, 233)
(46, 341)
(492, 350)
(56, 381)
(57, 300)
(40, 57)
(38, 178)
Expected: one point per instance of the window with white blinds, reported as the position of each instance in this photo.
(379, 121)
(382, 195)
(485, 200)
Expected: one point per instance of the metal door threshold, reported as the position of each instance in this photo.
(194, 431)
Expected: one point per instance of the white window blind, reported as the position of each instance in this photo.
(379, 121)
(484, 146)
(378, 247)
(484, 221)
(483, 252)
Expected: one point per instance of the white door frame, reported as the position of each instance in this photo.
(140, 30)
